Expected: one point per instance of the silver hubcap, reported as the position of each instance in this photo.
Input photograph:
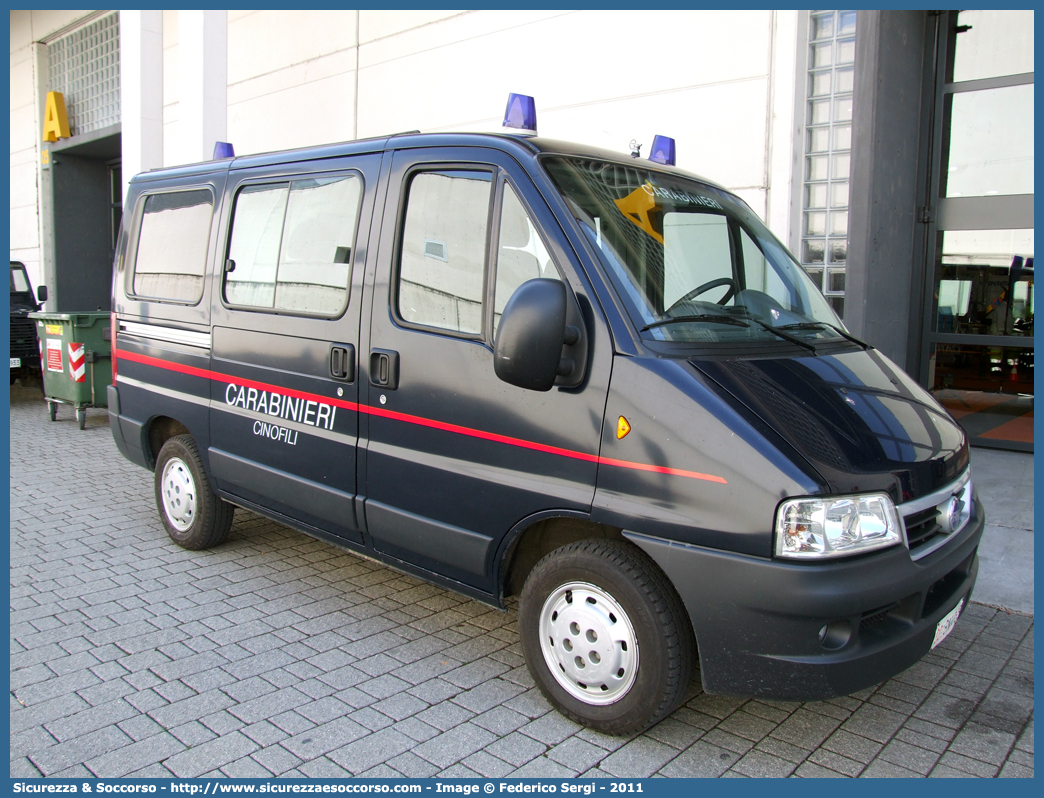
(179, 494)
(588, 643)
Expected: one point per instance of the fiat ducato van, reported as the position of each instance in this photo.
(517, 367)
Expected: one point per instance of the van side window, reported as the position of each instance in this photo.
(521, 255)
(443, 254)
(291, 245)
(172, 246)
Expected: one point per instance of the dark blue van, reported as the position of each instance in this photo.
(521, 367)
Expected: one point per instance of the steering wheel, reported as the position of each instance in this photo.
(695, 292)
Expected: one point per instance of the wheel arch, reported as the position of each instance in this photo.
(537, 535)
(156, 432)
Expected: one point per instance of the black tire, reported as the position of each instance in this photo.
(655, 616)
(52, 410)
(193, 515)
(81, 417)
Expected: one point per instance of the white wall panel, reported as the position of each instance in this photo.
(321, 112)
(376, 24)
(582, 56)
(340, 64)
(464, 85)
(25, 229)
(22, 86)
(171, 82)
(783, 162)
(454, 30)
(23, 128)
(21, 31)
(170, 57)
(30, 256)
(202, 84)
(23, 179)
(141, 92)
(46, 23)
(266, 41)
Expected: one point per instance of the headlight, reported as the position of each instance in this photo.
(836, 527)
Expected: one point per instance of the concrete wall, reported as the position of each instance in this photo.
(720, 82)
(885, 240)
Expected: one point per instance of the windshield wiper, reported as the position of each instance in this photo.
(702, 317)
(736, 322)
(819, 325)
(785, 336)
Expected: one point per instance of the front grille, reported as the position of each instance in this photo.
(23, 338)
(922, 527)
(931, 520)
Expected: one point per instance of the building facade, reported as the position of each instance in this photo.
(848, 133)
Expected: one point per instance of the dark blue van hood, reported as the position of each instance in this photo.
(857, 418)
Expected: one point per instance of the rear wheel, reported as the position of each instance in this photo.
(193, 515)
(605, 636)
(81, 417)
(52, 410)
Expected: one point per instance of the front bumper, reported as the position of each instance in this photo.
(758, 622)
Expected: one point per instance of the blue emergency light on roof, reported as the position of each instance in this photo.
(222, 150)
(662, 150)
(521, 113)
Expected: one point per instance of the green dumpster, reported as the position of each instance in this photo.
(76, 354)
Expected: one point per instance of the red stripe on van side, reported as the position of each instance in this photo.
(163, 364)
(477, 433)
(418, 420)
(219, 377)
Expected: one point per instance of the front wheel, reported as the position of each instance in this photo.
(193, 515)
(605, 636)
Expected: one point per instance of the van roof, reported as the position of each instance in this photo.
(520, 146)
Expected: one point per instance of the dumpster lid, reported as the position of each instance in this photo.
(91, 317)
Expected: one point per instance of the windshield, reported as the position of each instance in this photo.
(19, 280)
(692, 262)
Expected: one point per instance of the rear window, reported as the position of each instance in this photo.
(172, 246)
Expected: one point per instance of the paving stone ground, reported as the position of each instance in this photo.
(279, 655)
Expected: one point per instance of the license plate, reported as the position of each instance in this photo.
(16, 362)
(946, 625)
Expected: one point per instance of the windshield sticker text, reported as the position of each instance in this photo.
(681, 197)
(305, 411)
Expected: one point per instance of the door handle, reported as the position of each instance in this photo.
(342, 362)
(384, 368)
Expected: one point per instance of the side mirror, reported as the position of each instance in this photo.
(531, 334)
(41, 293)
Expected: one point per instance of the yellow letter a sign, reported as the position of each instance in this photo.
(56, 122)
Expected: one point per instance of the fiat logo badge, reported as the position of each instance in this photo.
(953, 517)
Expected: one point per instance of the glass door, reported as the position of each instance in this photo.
(978, 323)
